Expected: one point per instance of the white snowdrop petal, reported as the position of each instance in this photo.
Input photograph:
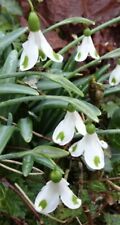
(29, 55)
(114, 78)
(93, 154)
(47, 199)
(103, 144)
(69, 199)
(92, 50)
(79, 124)
(46, 48)
(64, 132)
(82, 50)
(77, 148)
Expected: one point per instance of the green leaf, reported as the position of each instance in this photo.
(10, 66)
(112, 219)
(59, 79)
(88, 109)
(47, 85)
(74, 20)
(110, 107)
(10, 37)
(113, 54)
(39, 158)
(51, 151)
(26, 128)
(5, 134)
(17, 89)
(11, 6)
(114, 139)
(112, 90)
(65, 83)
(46, 161)
(27, 165)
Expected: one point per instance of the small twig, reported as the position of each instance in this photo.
(42, 136)
(114, 186)
(56, 219)
(78, 220)
(17, 221)
(38, 171)
(10, 169)
(23, 193)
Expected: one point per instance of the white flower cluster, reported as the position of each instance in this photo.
(90, 147)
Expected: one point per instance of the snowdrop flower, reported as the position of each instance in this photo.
(36, 46)
(91, 148)
(86, 48)
(65, 130)
(114, 78)
(52, 194)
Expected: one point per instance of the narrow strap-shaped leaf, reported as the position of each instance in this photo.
(5, 134)
(88, 109)
(51, 151)
(10, 66)
(10, 37)
(17, 89)
(59, 79)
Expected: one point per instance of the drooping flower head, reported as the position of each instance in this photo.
(91, 148)
(36, 46)
(65, 130)
(114, 78)
(55, 191)
(86, 48)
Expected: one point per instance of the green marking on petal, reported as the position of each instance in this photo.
(96, 161)
(113, 80)
(74, 148)
(79, 55)
(43, 204)
(56, 56)
(42, 55)
(75, 200)
(61, 136)
(25, 62)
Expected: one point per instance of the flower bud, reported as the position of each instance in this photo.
(90, 127)
(33, 22)
(55, 176)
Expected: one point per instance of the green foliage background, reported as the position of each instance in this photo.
(24, 110)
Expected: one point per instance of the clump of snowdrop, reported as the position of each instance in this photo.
(114, 78)
(86, 48)
(91, 148)
(36, 46)
(65, 130)
(55, 191)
